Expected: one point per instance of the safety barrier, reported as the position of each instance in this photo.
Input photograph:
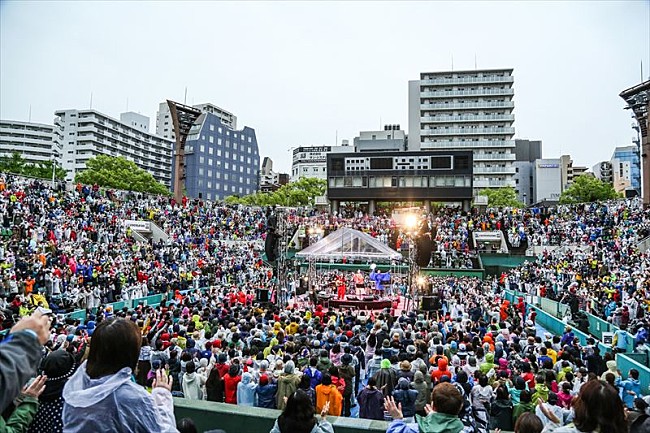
(209, 415)
(624, 362)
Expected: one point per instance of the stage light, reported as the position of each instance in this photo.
(421, 281)
(411, 221)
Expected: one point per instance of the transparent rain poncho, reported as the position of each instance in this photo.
(115, 403)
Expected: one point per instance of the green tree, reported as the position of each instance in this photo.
(587, 188)
(18, 165)
(119, 173)
(300, 193)
(502, 197)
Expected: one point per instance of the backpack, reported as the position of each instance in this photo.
(474, 420)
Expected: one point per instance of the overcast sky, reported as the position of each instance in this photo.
(300, 73)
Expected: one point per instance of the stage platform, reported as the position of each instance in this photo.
(360, 304)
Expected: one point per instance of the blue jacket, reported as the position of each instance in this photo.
(315, 377)
(627, 385)
(266, 395)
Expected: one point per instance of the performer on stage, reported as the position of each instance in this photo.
(379, 278)
(359, 283)
(340, 286)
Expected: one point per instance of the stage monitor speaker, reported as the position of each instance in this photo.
(263, 295)
(368, 298)
(303, 286)
(423, 253)
(431, 303)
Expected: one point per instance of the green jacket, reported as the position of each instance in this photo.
(520, 409)
(21, 417)
(541, 393)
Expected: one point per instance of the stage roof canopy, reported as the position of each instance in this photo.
(351, 244)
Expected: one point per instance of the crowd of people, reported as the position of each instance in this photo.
(475, 364)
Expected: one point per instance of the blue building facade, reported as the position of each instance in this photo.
(631, 154)
(220, 161)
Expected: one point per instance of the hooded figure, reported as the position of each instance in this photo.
(246, 390)
(611, 368)
(441, 371)
(386, 378)
(115, 403)
(488, 365)
(371, 402)
(405, 396)
(231, 380)
(287, 384)
(193, 383)
(421, 386)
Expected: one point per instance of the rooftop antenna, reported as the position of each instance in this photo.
(30, 112)
(91, 100)
(185, 99)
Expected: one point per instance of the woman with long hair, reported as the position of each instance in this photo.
(597, 408)
(298, 416)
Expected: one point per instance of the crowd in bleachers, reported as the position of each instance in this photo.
(477, 362)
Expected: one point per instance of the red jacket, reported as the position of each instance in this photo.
(231, 388)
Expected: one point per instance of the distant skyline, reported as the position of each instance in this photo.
(305, 73)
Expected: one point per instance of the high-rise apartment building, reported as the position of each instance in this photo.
(35, 142)
(220, 161)
(467, 110)
(165, 127)
(88, 133)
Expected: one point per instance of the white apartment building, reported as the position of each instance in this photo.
(467, 110)
(88, 133)
(165, 128)
(311, 161)
(35, 142)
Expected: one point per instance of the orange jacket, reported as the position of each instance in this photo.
(325, 393)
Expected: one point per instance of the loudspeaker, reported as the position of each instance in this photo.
(263, 295)
(270, 246)
(303, 286)
(431, 303)
(423, 246)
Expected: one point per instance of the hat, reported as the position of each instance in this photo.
(405, 365)
(411, 350)
(58, 366)
(264, 379)
(385, 344)
(385, 363)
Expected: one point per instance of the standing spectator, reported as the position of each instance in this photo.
(100, 395)
(287, 384)
(193, 383)
(347, 373)
(422, 387)
(58, 366)
(298, 417)
(246, 390)
(265, 393)
(231, 380)
(328, 396)
(405, 396)
(630, 388)
(305, 386)
(371, 401)
(501, 410)
(385, 378)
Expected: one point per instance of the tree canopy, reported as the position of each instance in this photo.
(18, 165)
(119, 173)
(502, 197)
(299, 193)
(587, 188)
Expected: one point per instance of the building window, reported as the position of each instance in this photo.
(202, 148)
(211, 127)
(211, 150)
(201, 160)
(219, 141)
(211, 139)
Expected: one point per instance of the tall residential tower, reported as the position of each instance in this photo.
(467, 110)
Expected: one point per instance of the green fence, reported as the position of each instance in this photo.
(242, 419)
(625, 362)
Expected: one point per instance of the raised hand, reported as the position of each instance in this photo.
(36, 388)
(162, 381)
(394, 410)
(325, 410)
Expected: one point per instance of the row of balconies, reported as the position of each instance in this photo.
(465, 93)
(467, 131)
(469, 118)
(467, 80)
